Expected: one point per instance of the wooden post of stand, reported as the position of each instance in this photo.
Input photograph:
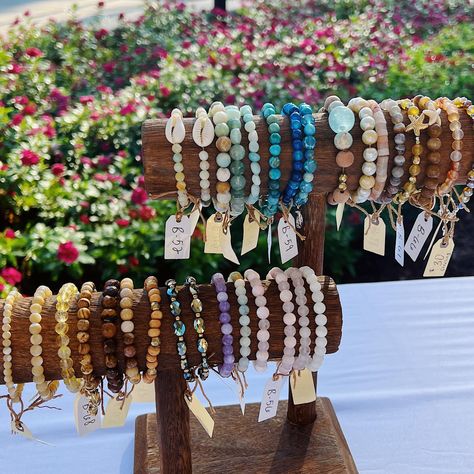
(174, 436)
(312, 254)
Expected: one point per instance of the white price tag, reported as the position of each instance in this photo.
(177, 238)
(269, 242)
(418, 235)
(85, 422)
(287, 239)
(226, 246)
(302, 387)
(270, 399)
(251, 231)
(439, 258)
(339, 214)
(374, 236)
(116, 412)
(198, 410)
(400, 242)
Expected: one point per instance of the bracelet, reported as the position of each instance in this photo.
(319, 308)
(90, 383)
(179, 328)
(244, 320)
(369, 138)
(397, 172)
(13, 392)
(219, 117)
(341, 121)
(109, 305)
(127, 327)
(46, 390)
(175, 134)
(289, 319)
(270, 206)
(383, 151)
(263, 334)
(66, 294)
(203, 135)
(237, 154)
(154, 331)
(226, 327)
(303, 358)
(309, 165)
(254, 157)
(416, 125)
(199, 326)
(457, 134)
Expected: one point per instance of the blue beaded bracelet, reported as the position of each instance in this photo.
(270, 206)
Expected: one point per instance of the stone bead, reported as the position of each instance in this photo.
(126, 302)
(344, 159)
(369, 168)
(455, 156)
(109, 330)
(367, 123)
(369, 137)
(433, 144)
(126, 314)
(370, 154)
(223, 144)
(343, 141)
(341, 119)
(367, 182)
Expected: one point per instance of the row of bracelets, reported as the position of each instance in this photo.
(377, 183)
(116, 309)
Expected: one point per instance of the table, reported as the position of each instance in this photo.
(402, 386)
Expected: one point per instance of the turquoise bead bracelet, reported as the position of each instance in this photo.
(270, 206)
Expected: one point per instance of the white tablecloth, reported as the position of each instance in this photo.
(402, 385)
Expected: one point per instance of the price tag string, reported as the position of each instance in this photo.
(252, 212)
(189, 392)
(286, 212)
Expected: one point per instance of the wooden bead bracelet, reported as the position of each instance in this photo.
(154, 331)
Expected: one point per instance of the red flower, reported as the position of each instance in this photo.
(29, 158)
(139, 196)
(127, 109)
(165, 92)
(29, 109)
(101, 33)
(133, 261)
(109, 67)
(67, 252)
(34, 52)
(86, 99)
(147, 213)
(57, 169)
(9, 234)
(84, 219)
(11, 275)
(17, 119)
(122, 222)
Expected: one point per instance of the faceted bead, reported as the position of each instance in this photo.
(199, 325)
(181, 346)
(179, 328)
(202, 345)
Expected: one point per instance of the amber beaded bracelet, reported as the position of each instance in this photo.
(154, 331)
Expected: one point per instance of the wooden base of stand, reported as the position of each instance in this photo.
(240, 444)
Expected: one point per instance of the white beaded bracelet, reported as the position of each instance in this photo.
(263, 333)
(319, 308)
(175, 133)
(289, 319)
(244, 320)
(13, 392)
(203, 135)
(303, 359)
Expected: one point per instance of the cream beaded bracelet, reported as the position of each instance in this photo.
(13, 392)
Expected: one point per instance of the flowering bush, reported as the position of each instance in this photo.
(73, 97)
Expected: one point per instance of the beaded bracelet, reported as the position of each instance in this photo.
(457, 145)
(203, 135)
(175, 134)
(14, 392)
(109, 305)
(244, 320)
(289, 319)
(219, 117)
(154, 331)
(46, 390)
(254, 156)
(369, 138)
(319, 308)
(199, 327)
(237, 154)
(225, 369)
(263, 334)
(127, 327)
(341, 121)
(309, 165)
(390, 106)
(66, 294)
(179, 328)
(303, 358)
(90, 383)
(270, 207)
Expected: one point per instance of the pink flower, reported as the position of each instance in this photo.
(34, 52)
(165, 92)
(67, 252)
(9, 234)
(127, 109)
(11, 275)
(147, 213)
(17, 119)
(57, 169)
(84, 219)
(122, 222)
(86, 99)
(109, 67)
(29, 158)
(139, 196)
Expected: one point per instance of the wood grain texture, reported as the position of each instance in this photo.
(240, 444)
(159, 174)
(168, 358)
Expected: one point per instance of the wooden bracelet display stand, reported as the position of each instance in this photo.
(310, 439)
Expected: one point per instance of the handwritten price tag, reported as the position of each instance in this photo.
(251, 231)
(400, 242)
(418, 235)
(213, 234)
(271, 397)
(439, 258)
(374, 236)
(177, 238)
(116, 412)
(85, 422)
(287, 239)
